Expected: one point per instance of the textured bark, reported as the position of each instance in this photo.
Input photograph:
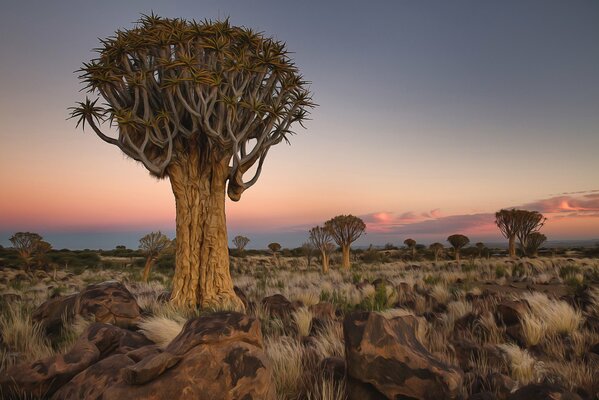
(346, 263)
(147, 268)
(202, 274)
(512, 246)
(325, 262)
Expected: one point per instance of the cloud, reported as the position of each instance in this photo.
(564, 204)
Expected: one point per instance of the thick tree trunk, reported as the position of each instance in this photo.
(457, 256)
(413, 253)
(436, 257)
(147, 268)
(512, 246)
(345, 250)
(325, 262)
(202, 276)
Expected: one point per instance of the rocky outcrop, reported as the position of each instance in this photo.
(44, 377)
(107, 302)
(384, 356)
(216, 356)
(543, 391)
(278, 306)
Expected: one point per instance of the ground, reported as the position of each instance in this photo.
(461, 308)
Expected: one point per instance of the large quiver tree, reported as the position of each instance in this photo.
(199, 103)
(506, 221)
(345, 229)
(320, 237)
(458, 241)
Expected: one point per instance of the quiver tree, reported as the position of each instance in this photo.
(308, 251)
(153, 245)
(480, 246)
(527, 222)
(506, 222)
(437, 248)
(457, 242)
(411, 244)
(321, 238)
(240, 242)
(534, 241)
(26, 244)
(345, 229)
(199, 103)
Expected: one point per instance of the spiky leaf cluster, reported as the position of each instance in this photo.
(155, 243)
(171, 85)
(345, 229)
(458, 241)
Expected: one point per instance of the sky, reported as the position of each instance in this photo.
(432, 116)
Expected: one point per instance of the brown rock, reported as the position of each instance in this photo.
(108, 302)
(510, 312)
(386, 354)
(92, 382)
(50, 313)
(323, 311)
(333, 367)
(278, 306)
(217, 356)
(543, 391)
(44, 377)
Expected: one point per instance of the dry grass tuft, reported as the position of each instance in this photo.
(303, 321)
(523, 367)
(161, 330)
(286, 355)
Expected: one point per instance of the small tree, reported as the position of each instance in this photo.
(534, 241)
(240, 242)
(26, 244)
(41, 251)
(345, 229)
(411, 244)
(153, 245)
(321, 238)
(457, 242)
(437, 248)
(506, 221)
(527, 222)
(308, 251)
(480, 246)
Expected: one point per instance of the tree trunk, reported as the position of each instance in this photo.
(147, 268)
(413, 253)
(325, 262)
(345, 250)
(202, 274)
(512, 246)
(457, 256)
(436, 257)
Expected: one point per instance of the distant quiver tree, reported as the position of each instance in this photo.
(437, 249)
(240, 242)
(345, 229)
(506, 221)
(534, 241)
(321, 238)
(27, 245)
(411, 244)
(153, 245)
(458, 241)
(527, 223)
(199, 103)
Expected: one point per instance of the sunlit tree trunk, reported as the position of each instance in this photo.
(202, 274)
(325, 262)
(147, 268)
(346, 263)
(512, 246)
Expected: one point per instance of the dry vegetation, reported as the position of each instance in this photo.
(458, 303)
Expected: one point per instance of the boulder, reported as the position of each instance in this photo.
(216, 356)
(278, 306)
(385, 354)
(323, 311)
(333, 367)
(44, 377)
(543, 391)
(108, 302)
(510, 312)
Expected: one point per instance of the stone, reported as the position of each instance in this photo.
(386, 354)
(216, 356)
(543, 391)
(278, 306)
(50, 314)
(108, 302)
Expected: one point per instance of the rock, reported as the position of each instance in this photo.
(241, 296)
(509, 312)
(333, 367)
(44, 377)
(108, 302)
(323, 311)
(92, 382)
(543, 391)
(278, 306)
(483, 396)
(216, 356)
(386, 354)
(50, 313)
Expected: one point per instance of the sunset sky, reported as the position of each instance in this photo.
(432, 116)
